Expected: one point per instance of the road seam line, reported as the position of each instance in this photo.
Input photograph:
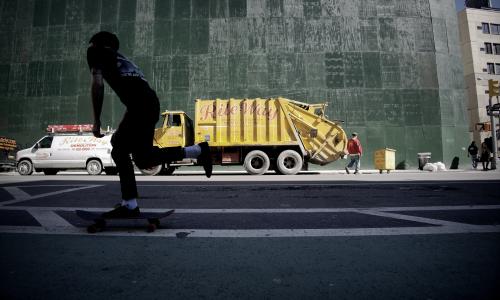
(261, 233)
(271, 210)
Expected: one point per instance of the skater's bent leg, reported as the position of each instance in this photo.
(155, 156)
(192, 151)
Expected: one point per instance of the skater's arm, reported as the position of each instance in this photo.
(97, 91)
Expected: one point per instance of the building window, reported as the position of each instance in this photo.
(497, 48)
(491, 68)
(488, 48)
(495, 29)
(497, 69)
(486, 28)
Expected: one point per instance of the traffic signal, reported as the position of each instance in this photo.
(493, 88)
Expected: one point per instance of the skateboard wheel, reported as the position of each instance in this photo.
(155, 222)
(100, 223)
(151, 227)
(92, 229)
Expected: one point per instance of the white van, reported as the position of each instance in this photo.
(68, 147)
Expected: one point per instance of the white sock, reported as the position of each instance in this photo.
(192, 151)
(130, 204)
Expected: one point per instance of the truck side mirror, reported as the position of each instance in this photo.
(37, 145)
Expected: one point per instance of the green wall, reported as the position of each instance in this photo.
(390, 69)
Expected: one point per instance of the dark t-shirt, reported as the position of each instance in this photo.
(122, 75)
(472, 150)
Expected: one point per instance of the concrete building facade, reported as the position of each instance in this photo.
(480, 43)
(390, 69)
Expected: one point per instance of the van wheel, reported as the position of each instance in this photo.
(94, 167)
(289, 162)
(256, 162)
(151, 171)
(50, 171)
(25, 167)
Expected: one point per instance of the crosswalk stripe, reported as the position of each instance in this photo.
(17, 193)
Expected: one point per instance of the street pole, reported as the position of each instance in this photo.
(493, 136)
(493, 91)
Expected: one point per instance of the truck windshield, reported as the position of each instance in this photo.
(173, 120)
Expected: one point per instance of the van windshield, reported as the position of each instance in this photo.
(46, 142)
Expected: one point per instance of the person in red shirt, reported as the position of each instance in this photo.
(355, 151)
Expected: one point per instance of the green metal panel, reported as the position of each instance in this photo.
(391, 70)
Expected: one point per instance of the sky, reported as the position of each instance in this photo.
(460, 4)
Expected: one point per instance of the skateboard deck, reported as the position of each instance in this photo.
(100, 222)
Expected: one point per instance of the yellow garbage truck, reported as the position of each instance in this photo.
(261, 134)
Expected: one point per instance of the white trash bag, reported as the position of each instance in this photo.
(430, 167)
(440, 166)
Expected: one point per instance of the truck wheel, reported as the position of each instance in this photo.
(94, 167)
(167, 171)
(50, 171)
(289, 162)
(152, 171)
(256, 162)
(111, 171)
(25, 167)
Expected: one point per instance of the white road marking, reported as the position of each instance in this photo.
(49, 219)
(29, 197)
(414, 219)
(16, 192)
(52, 223)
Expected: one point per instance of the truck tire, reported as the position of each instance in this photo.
(111, 171)
(25, 167)
(152, 171)
(94, 167)
(289, 162)
(256, 162)
(50, 171)
(168, 170)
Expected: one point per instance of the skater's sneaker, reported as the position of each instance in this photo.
(122, 212)
(347, 170)
(205, 159)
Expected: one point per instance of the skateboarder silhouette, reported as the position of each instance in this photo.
(136, 130)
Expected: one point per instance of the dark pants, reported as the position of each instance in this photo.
(134, 136)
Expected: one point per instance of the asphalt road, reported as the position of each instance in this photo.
(392, 236)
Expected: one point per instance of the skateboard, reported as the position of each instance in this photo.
(100, 222)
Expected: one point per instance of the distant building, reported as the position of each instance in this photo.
(477, 3)
(480, 43)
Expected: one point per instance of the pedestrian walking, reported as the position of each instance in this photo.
(485, 155)
(135, 133)
(355, 152)
(472, 153)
